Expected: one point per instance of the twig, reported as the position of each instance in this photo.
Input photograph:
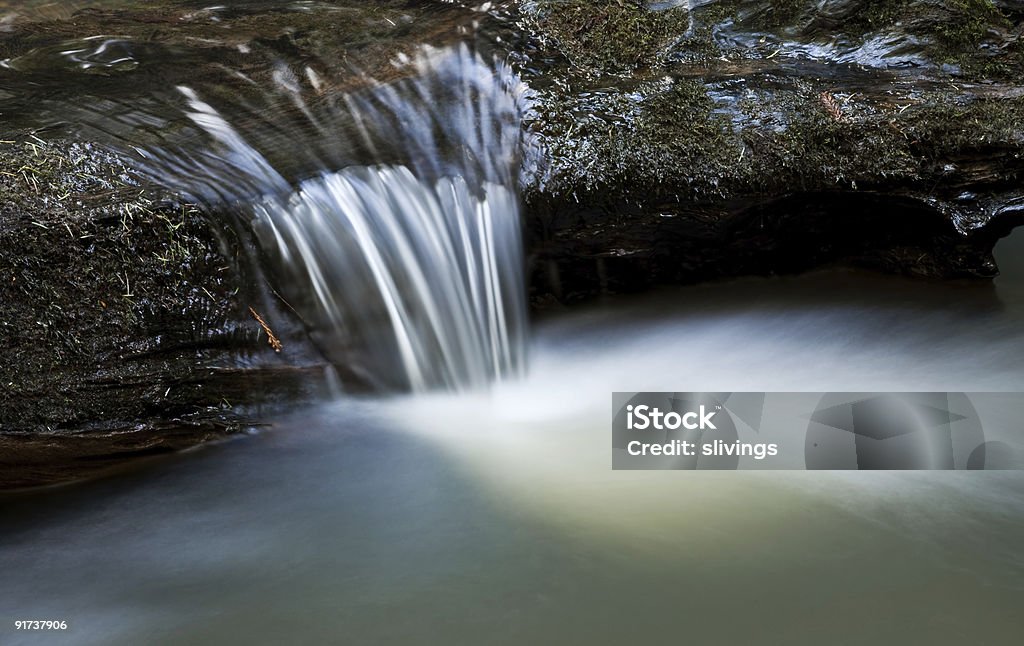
(273, 340)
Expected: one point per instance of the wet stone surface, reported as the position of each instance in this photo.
(124, 326)
(772, 137)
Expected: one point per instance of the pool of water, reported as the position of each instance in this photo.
(496, 518)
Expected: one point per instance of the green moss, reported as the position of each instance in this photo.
(953, 27)
(953, 32)
(875, 150)
(680, 139)
(96, 253)
(609, 35)
(944, 129)
(959, 35)
(699, 43)
(623, 35)
(669, 140)
(815, 151)
(108, 294)
(969, 23)
(675, 143)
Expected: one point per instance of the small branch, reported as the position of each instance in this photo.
(273, 340)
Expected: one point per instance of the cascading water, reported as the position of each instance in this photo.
(409, 266)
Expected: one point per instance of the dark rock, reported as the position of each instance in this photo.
(773, 137)
(124, 326)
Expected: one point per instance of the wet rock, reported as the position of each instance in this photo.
(57, 55)
(124, 326)
(614, 36)
(125, 320)
(773, 137)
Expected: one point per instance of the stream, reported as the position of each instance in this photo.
(496, 518)
(491, 515)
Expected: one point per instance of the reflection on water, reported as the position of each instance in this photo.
(86, 54)
(497, 519)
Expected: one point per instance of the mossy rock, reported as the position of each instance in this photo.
(121, 314)
(658, 170)
(608, 35)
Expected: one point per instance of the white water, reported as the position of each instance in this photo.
(411, 273)
(434, 273)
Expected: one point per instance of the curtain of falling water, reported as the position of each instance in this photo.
(412, 269)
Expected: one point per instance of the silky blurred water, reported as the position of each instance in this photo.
(408, 273)
(461, 519)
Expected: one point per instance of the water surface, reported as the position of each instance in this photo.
(496, 518)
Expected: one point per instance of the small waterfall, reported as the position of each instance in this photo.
(427, 276)
(407, 265)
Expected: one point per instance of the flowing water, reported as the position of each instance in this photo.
(492, 516)
(495, 517)
(412, 273)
